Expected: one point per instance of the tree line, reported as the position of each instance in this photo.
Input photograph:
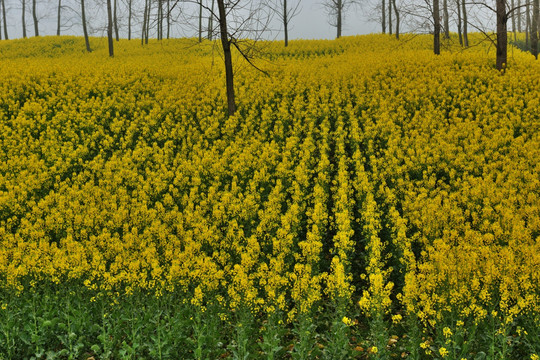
(233, 20)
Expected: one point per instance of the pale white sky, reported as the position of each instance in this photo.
(310, 23)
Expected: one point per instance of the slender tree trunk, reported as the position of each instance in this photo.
(231, 103)
(110, 28)
(200, 20)
(465, 34)
(339, 17)
(527, 24)
(24, 18)
(129, 18)
(518, 15)
(390, 30)
(514, 20)
(169, 17)
(502, 36)
(34, 16)
(534, 29)
(143, 34)
(383, 17)
(160, 19)
(459, 22)
(116, 22)
(211, 22)
(437, 28)
(446, 20)
(285, 23)
(85, 30)
(147, 35)
(0, 25)
(397, 18)
(4, 18)
(58, 18)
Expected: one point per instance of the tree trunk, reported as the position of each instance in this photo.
(211, 22)
(465, 34)
(116, 22)
(514, 20)
(5, 22)
(285, 23)
(0, 25)
(437, 28)
(169, 17)
(129, 18)
(527, 24)
(143, 34)
(383, 17)
(85, 30)
(534, 30)
(159, 15)
(34, 16)
(459, 22)
(502, 18)
(390, 30)
(110, 28)
(146, 36)
(160, 19)
(339, 17)
(200, 20)
(24, 18)
(519, 21)
(446, 20)
(58, 18)
(397, 17)
(231, 104)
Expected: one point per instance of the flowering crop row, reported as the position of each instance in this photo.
(402, 194)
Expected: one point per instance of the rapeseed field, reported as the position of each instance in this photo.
(368, 200)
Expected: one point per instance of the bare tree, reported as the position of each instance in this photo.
(35, 18)
(397, 18)
(436, 28)
(527, 22)
(211, 21)
(514, 22)
(160, 20)
(200, 20)
(446, 20)
(336, 10)
(169, 18)
(226, 43)
(3, 3)
(504, 9)
(146, 22)
(85, 30)
(465, 32)
(502, 36)
(383, 18)
(534, 29)
(130, 9)
(24, 18)
(459, 22)
(147, 34)
(59, 13)
(286, 10)
(110, 28)
(390, 30)
(115, 17)
(518, 15)
(241, 24)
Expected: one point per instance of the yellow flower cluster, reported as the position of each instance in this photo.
(341, 176)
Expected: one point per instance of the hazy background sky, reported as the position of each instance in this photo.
(312, 22)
